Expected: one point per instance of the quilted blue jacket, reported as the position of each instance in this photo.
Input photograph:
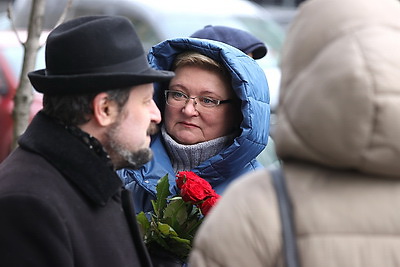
(249, 83)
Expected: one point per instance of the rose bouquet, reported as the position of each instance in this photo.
(172, 224)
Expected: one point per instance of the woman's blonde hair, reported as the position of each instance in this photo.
(192, 58)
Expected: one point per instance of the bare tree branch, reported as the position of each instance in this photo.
(10, 16)
(64, 14)
(24, 95)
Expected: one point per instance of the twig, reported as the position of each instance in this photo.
(10, 16)
(64, 13)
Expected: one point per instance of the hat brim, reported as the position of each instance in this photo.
(258, 50)
(93, 82)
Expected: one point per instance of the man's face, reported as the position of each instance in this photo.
(129, 136)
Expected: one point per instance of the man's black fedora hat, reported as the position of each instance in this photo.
(93, 54)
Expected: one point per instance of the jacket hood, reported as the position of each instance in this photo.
(340, 95)
(250, 85)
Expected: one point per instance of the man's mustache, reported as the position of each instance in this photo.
(153, 129)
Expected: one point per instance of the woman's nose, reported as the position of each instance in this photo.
(190, 108)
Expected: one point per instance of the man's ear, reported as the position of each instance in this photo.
(105, 111)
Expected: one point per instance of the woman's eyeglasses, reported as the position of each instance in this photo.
(180, 99)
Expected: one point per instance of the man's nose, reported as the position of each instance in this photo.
(155, 114)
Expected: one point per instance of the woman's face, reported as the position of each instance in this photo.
(193, 123)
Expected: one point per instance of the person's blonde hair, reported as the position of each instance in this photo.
(192, 58)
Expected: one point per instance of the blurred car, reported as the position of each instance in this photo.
(157, 20)
(11, 58)
(284, 15)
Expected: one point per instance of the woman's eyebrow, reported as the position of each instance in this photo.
(184, 89)
(178, 86)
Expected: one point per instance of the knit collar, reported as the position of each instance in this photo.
(77, 155)
(187, 157)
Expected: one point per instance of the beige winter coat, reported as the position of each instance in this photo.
(338, 134)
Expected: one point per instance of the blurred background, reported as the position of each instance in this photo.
(155, 21)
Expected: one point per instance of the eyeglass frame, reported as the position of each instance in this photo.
(219, 102)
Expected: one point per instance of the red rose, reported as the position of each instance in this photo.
(193, 188)
(181, 178)
(196, 190)
(206, 206)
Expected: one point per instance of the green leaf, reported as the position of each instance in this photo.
(176, 210)
(180, 247)
(185, 242)
(166, 230)
(162, 195)
(191, 227)
(144, 224)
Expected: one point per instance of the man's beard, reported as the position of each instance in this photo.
(131, 159)
(123, 157)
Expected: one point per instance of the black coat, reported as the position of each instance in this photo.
(62, 206)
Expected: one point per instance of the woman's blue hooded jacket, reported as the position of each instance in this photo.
(250, 85)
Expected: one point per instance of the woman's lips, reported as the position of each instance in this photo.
(187, 124)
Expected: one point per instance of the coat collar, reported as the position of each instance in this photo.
(73, 158)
